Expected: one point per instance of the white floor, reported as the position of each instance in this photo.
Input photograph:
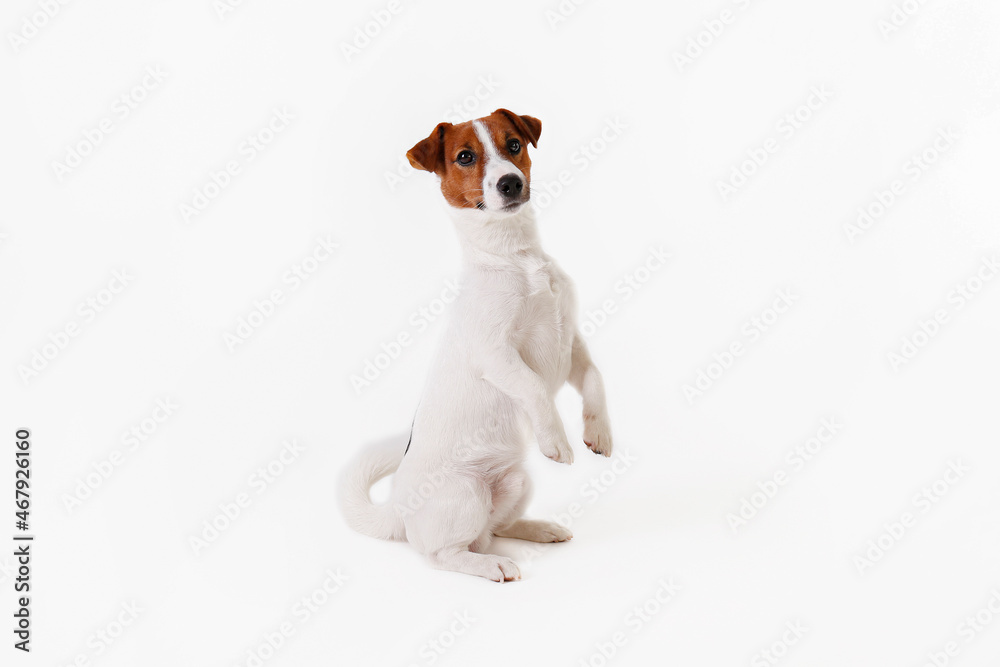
(206, 238)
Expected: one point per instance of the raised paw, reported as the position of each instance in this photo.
(597, 434)
(557, 449)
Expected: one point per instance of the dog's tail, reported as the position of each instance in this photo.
(361, 514)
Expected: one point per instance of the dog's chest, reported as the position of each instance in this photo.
(539, 278)
(541, 326)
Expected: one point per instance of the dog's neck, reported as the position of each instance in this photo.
(496, 242)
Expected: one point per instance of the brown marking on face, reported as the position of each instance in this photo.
(461, 184)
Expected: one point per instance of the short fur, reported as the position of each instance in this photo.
(511, 343)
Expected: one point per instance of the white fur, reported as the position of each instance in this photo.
(510, 345)
(496, 168)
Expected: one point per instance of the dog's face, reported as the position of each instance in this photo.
(483, 163)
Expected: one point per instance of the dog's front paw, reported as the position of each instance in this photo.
(597, 434)
(556, 448)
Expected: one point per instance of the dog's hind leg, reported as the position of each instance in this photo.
(451, 520)
(460, 559)
(510, 497)
(536, 530)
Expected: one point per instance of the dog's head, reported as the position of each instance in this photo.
(483, 163)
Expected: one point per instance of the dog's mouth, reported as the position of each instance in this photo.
(507, 208)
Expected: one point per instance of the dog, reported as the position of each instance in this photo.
(511, 343)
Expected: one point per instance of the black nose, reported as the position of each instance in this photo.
(510, 185)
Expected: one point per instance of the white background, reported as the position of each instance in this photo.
(684, 128)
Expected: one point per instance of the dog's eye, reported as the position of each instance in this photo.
(465, 158)
(514, 146)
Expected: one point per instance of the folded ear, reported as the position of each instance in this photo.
(429, 153)
(529, 126)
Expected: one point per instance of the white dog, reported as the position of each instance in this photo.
(510, 345)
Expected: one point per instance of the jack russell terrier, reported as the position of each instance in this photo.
(510, 345)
